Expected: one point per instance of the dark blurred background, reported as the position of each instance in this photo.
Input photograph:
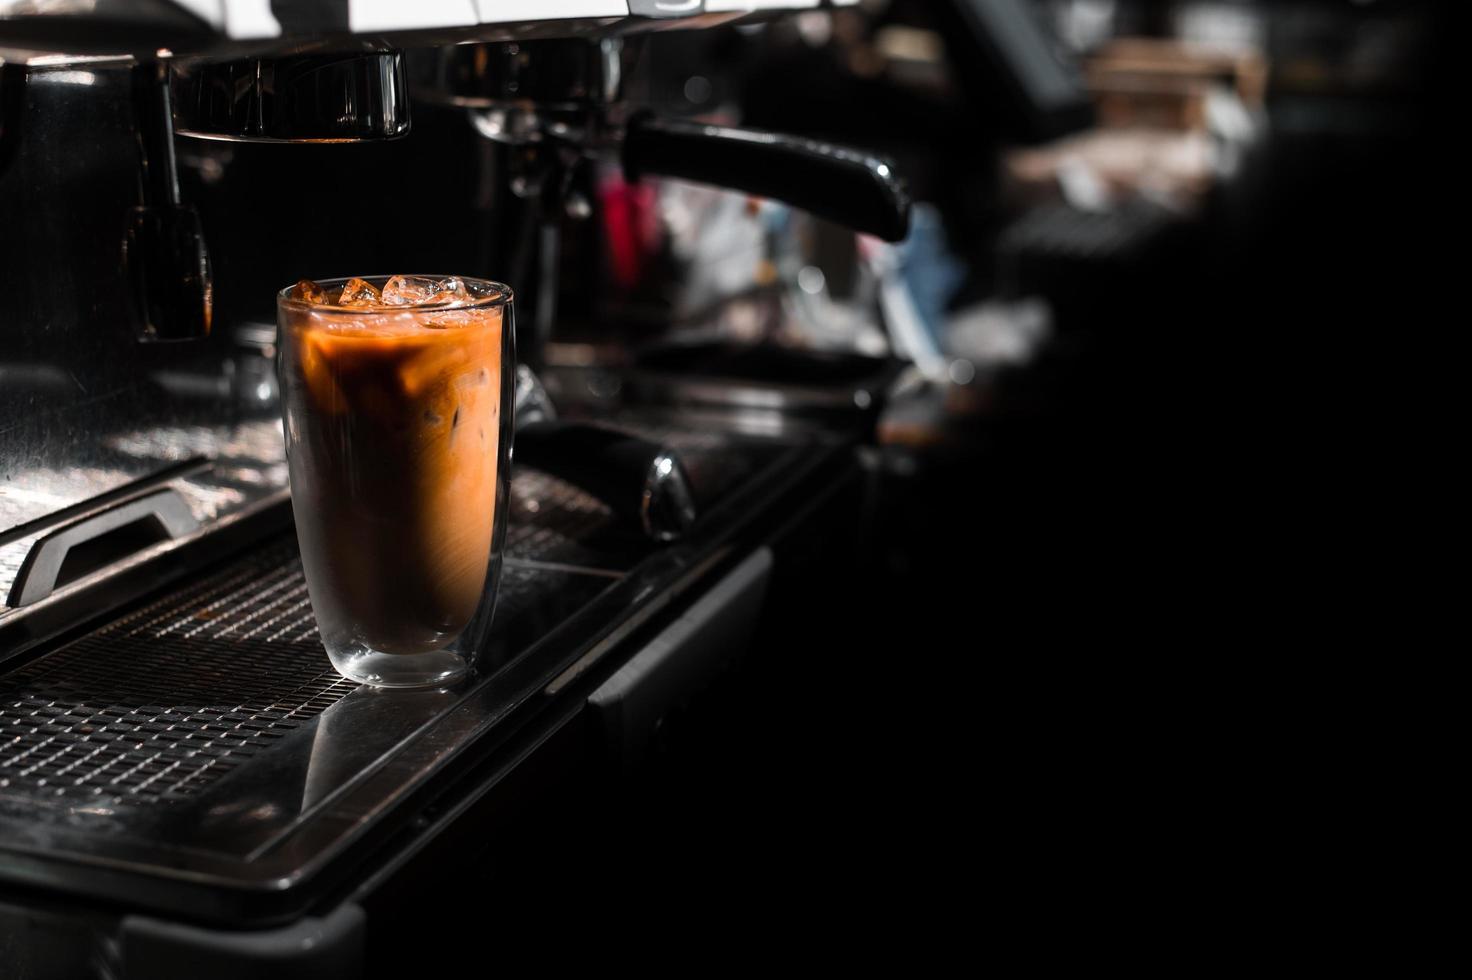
(1016, 705)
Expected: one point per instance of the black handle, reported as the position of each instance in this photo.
(641, 481)
(167, 514)
(844, 185)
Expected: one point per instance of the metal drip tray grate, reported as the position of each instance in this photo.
(553, 521)
(160, 704)
(165, 701)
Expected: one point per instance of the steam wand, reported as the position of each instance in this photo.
(163, 247)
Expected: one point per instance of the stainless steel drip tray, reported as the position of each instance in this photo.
(199, 755)
(206, 739)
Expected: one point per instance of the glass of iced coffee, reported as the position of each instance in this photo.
(397, 397)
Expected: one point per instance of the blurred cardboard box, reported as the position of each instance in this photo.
(1144, 82)
(1161, 105)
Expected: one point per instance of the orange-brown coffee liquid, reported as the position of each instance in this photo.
(393, 469)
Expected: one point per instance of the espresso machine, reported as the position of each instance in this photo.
(187, 788)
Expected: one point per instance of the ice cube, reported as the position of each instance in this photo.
(451, 292)
(308, 291)
(408, 290)
(359, 293)
(448, 319)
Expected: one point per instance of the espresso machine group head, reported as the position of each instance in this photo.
(307, 73)
(570, 93)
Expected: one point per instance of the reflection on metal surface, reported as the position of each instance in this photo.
(85, 410)
(31, 493)
(248, 467)
(259, 440)
(552, 74)
(85, 28)
(532, 403)
(668, 506)
(314, 98)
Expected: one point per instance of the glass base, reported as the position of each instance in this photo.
(438, 668)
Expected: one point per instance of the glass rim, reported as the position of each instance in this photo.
(497, 294)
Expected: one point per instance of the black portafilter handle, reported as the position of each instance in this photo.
(844, 185)
(643, 482)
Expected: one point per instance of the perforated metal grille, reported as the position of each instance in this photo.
(170, 698)
(163, 702)
(553, 521)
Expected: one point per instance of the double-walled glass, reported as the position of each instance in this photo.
(398, 436)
